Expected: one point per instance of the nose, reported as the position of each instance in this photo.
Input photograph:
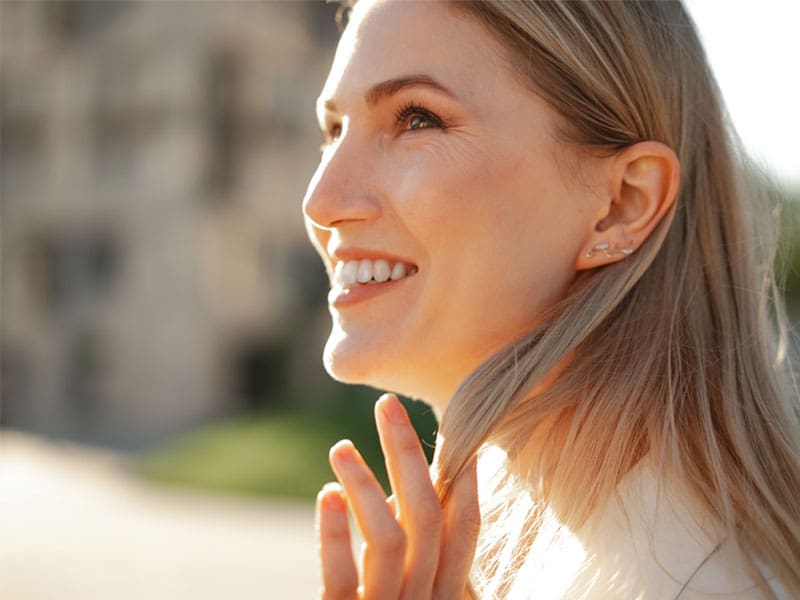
(342, 188)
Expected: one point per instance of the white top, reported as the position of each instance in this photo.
(645, 545)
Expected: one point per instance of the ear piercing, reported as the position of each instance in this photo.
(605, 249)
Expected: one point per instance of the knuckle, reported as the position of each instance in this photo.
(449, 595)
(393, 541)
(409, 443)
(333, 535)
(340, 587)
(339, 590)
(466, 519)
(335, 539)
(470, 520)
(429, 514)
(361, 476)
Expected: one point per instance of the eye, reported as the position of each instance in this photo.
(411, 117)
(330, 135)
(419, 122)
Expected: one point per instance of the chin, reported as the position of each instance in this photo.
(346, 359)
(345, 369)
(349, 361)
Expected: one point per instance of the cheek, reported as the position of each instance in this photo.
(499, 233)
(534, 216)
(486, 209)
(443, 194)
(430, 188)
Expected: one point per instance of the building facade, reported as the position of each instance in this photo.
(155, 270)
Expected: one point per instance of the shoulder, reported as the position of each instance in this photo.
(654, 541)
(725, 576)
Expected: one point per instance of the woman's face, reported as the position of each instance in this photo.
(443, 162)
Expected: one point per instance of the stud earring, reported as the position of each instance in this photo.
(605, 249)
(627, 249)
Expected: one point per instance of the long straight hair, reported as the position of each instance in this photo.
(678, 351)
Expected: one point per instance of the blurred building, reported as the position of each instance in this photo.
(155, 271)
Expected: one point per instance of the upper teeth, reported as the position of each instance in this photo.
(353, 272)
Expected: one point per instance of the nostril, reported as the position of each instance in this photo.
(328, 212)
(340, 192)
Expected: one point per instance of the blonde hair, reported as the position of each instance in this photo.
(673, 351)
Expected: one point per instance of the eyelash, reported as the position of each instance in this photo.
(402, 114)
(328, 137)
(412, 108)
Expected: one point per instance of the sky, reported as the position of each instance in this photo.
(754, 50)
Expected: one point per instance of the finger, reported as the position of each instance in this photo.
(339, 575)
(391, 502)
(462, 522)
(385, 540)
(419, 507)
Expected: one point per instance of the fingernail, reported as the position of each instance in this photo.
(393, 410)
(343, 451)
(332, 497)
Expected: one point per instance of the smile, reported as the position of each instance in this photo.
(354, 273)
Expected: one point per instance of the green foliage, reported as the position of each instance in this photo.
(789, 255)
(278, 453)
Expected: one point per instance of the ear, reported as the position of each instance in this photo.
(641, 183)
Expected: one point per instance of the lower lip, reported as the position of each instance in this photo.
(341, 297)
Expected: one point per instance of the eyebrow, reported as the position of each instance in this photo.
(385, 89)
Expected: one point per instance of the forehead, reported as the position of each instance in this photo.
(386, 39)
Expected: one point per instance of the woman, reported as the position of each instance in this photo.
(533, 218)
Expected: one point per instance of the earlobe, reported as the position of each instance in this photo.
(605, 249)
(642, 184)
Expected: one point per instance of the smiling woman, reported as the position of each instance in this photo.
(453, 198)
(533, 218)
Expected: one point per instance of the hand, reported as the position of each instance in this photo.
(414, 548)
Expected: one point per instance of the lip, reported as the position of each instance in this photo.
(345, 253)
(340, 297)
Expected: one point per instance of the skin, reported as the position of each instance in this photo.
(480, 205)
(414, 547)
(471, 188)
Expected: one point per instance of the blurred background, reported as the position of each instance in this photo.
(165, 417)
